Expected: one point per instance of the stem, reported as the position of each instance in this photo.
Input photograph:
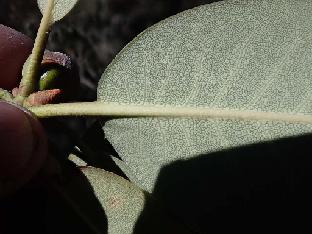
(28, 83)
(126, 110)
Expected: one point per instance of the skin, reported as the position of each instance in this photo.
(23, 144)
(14, 50)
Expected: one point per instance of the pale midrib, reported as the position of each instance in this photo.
(130, 110)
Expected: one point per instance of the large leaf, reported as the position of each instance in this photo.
(61, 7)
(242, 55)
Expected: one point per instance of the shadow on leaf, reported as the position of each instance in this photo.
(72, 206)
(265, 185)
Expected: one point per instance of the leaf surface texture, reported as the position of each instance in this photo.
(61, 7)
(242, 55)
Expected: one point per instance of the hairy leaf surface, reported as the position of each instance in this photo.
(242, 55)
(128, 208)
(61, 7)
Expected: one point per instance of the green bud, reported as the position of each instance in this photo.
(49, 79)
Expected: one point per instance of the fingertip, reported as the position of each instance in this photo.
(23, 147)
(15, 47)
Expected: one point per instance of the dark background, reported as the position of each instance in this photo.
(95, 31)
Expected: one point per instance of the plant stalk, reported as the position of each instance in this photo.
(127, 110)
(28, 83)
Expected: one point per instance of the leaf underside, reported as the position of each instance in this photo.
(61, 8)
(123, 203)
(246, 55)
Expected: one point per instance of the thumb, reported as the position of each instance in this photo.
(23, 147)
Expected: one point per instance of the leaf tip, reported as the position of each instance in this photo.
(61, 7)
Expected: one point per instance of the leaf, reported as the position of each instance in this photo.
(128, 208)
(110, 203)
(61, 7)
(241, 55)
(121, 201)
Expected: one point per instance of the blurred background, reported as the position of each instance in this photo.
(95, 31)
